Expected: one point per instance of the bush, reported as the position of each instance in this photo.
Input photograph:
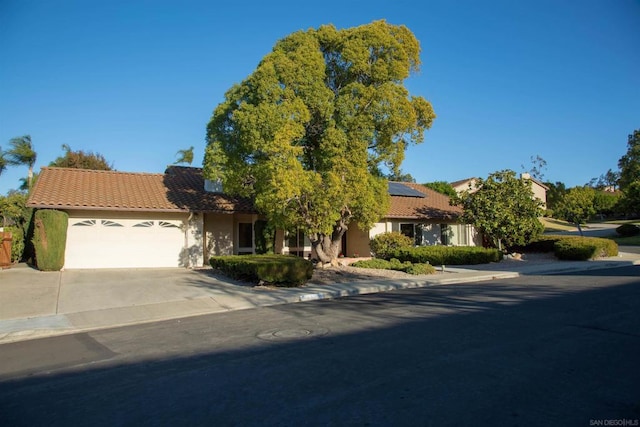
(448, 255)
(584, 248)
(628, 230)
(573, 247)
(542, 244)
(17, 243)
(384, 244)
(50, 239)
(395, 264)
(279, 270)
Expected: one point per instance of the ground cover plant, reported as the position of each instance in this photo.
(395, 264)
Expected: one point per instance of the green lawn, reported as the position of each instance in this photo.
(552, 225)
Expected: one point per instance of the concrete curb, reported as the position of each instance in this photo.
(14, 330)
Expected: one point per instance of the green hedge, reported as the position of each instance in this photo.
(628, 230)
(395, 264)
(279, 270)
(583, 248)
(448, 255)
(50, 239)
(572, 247)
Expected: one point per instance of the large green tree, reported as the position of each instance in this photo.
(629, 164)
(80, 159)
(22, 153)
(577, 206)
(309, 131)
(503, 208)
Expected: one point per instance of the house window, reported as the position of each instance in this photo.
(165, 224)
(445, 234)
(245, 235)
(144, 224)
(85, 223)
(408, 230)
(297, 242)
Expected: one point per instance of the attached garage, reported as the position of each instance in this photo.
(116, 242)
(140, 220)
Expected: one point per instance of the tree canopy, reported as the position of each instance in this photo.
(442, 187)
(503, 208)
(81, 160)
(309, 131)
(577, 205)
(629, 164)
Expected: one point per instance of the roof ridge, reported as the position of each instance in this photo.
(101, 171)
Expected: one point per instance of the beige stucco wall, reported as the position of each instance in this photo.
(219, 234)
(357, 242)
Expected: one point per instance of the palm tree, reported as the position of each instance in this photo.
(3, 161)
(22, 153)
(185, 156)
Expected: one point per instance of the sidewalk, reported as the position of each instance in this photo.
(36, 304)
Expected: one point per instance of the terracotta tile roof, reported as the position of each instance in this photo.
(433, 206)
(179, 189)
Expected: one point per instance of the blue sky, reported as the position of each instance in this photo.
(138, 80)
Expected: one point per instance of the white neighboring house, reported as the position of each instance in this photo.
(538, 188)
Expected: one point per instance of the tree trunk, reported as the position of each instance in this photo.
(327, 248)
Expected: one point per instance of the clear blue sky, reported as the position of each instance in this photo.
(138, 80)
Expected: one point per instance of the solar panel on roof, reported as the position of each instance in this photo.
(399, 189)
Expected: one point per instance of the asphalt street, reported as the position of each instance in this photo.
(537, 350)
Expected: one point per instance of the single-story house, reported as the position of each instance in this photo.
(178, 219)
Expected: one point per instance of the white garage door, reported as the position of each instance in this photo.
(123, 243)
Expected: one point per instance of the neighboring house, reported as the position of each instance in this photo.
(136, 220)
(468, 184)
(538, 188)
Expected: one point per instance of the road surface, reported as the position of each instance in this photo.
(538, 350)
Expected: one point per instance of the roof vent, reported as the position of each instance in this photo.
(213, 186)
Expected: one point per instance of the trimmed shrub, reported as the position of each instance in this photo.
(395, 264)
(50, 239)
(572, 247)
(384, 244)
(542, 244)
(628, 230)
(584, 248)
(279, 270)
(448, 255)
(17, 243)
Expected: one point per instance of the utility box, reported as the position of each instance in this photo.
(5, 249)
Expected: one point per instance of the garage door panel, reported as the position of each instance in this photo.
(123, 243)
